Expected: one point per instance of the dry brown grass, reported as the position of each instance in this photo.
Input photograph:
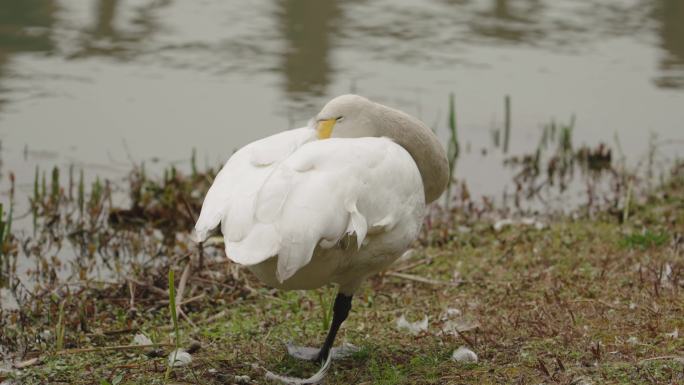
(580, 301)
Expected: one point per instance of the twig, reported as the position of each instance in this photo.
(150, 286)
(213, 318)
(466, 339)
(114, 332)
(223, 261)
(628, 199)
(185, 302)
(662, 358)
(181, 285)
(410, 266)
(131, 289)
(27, 363)
(176, 260)
(200, 253)
(416, 278)
(595, 301)
(212, 282)
(110, 348)
(185, 316)
(190, 212)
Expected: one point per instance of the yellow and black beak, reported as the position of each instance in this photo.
(325, 128)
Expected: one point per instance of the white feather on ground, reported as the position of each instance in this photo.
(141, 339)
(315, 379)
(412, 327)
(179, 357)
(464, 354)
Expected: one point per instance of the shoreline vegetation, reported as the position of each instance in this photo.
(584, 296)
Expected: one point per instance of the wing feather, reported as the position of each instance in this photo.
(232, 193)
(314, 193)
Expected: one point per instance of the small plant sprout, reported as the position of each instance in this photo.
(174, 319)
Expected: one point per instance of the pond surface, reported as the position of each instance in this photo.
(101, 84)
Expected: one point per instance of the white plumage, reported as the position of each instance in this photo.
(293, 197)
(334, 203)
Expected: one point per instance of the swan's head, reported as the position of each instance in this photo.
(353, 116)
(346, 116)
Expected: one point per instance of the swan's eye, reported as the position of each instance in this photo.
(339, 119)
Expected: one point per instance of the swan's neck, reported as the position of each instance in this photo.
(421, 143)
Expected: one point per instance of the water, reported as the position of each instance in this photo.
(102, 84)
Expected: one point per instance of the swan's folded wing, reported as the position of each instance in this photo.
(234, 189)
(321, 192)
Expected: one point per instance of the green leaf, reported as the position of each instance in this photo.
(117, 379)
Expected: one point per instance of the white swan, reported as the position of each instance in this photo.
(332, 203)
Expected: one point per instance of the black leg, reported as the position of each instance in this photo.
(340, 313)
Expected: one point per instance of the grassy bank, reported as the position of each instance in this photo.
(568, 300)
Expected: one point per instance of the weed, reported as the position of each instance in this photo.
(174, 320)
(644, 240)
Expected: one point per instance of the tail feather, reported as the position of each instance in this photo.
(199, 236)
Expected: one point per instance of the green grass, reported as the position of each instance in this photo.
(174, 320)
(582, 299)
(644, 240)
